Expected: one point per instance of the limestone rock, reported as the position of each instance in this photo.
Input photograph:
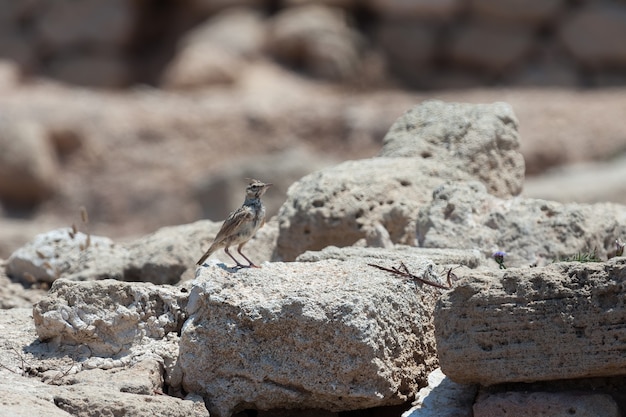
(216, 51)
(14, 295)
(28, 166)
(10, 76)
(581, 183)
(428, 145)
(464, 215)
(340, 205)
(316, 39)
(480, 139)
(61, 252)
(537, 324)
(443, 398)
(393, 256)
(554, 404)
(18, 401)
(331, 335)
(109, 316)
(86, 402)
(198, 65)
(241, 31)
(60, 384)
(163, 257)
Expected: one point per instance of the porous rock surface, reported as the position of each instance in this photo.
(166, 256)
(65, 253)
(28, 166)
(530, 231)
(340, 205)
(14, 295)
(443, 398)
(330, 335)
(399, 253)
(38, 379)
(562, 321)
(480, 139)
(111, 318)
(428, 145)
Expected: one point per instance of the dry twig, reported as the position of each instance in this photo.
(403, 271)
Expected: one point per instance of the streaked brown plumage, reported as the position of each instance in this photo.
(241, 224)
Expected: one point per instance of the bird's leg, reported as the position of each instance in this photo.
(252, 265)
(240, 265)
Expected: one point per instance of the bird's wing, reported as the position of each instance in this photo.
(233, 223)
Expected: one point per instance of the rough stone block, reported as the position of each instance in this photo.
(530, 231)
(109, 316)
(329, 335)
(562, 321)
(479, 139)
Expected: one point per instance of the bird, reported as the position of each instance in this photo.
(241, 224)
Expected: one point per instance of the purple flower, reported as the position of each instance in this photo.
(499, 258)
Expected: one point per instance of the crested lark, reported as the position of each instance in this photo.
(241, 224)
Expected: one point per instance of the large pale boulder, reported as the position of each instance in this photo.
(111, 318)
(44, 379)
(28, 165)
(317, 39)
(430, 144)
(14, 295)
(464, 215)
(163, 257)
(66, 253)
(562, 321)
(332, 335)
(443, 398)
(480, 139)
(342, 204)
(166, 256)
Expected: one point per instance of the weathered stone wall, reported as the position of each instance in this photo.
(426, 44)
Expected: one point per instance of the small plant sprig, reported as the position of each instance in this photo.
(499, 258)
(85, 221)
(582, 257)
(403, 271)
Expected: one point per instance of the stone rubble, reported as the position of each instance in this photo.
(327, 332)
(530, 231)
(432, 143)
(534, 324)
(278, 330)
(443, 398)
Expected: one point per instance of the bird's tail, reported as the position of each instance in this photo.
(206, 255)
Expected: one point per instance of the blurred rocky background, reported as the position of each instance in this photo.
(152, 112)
